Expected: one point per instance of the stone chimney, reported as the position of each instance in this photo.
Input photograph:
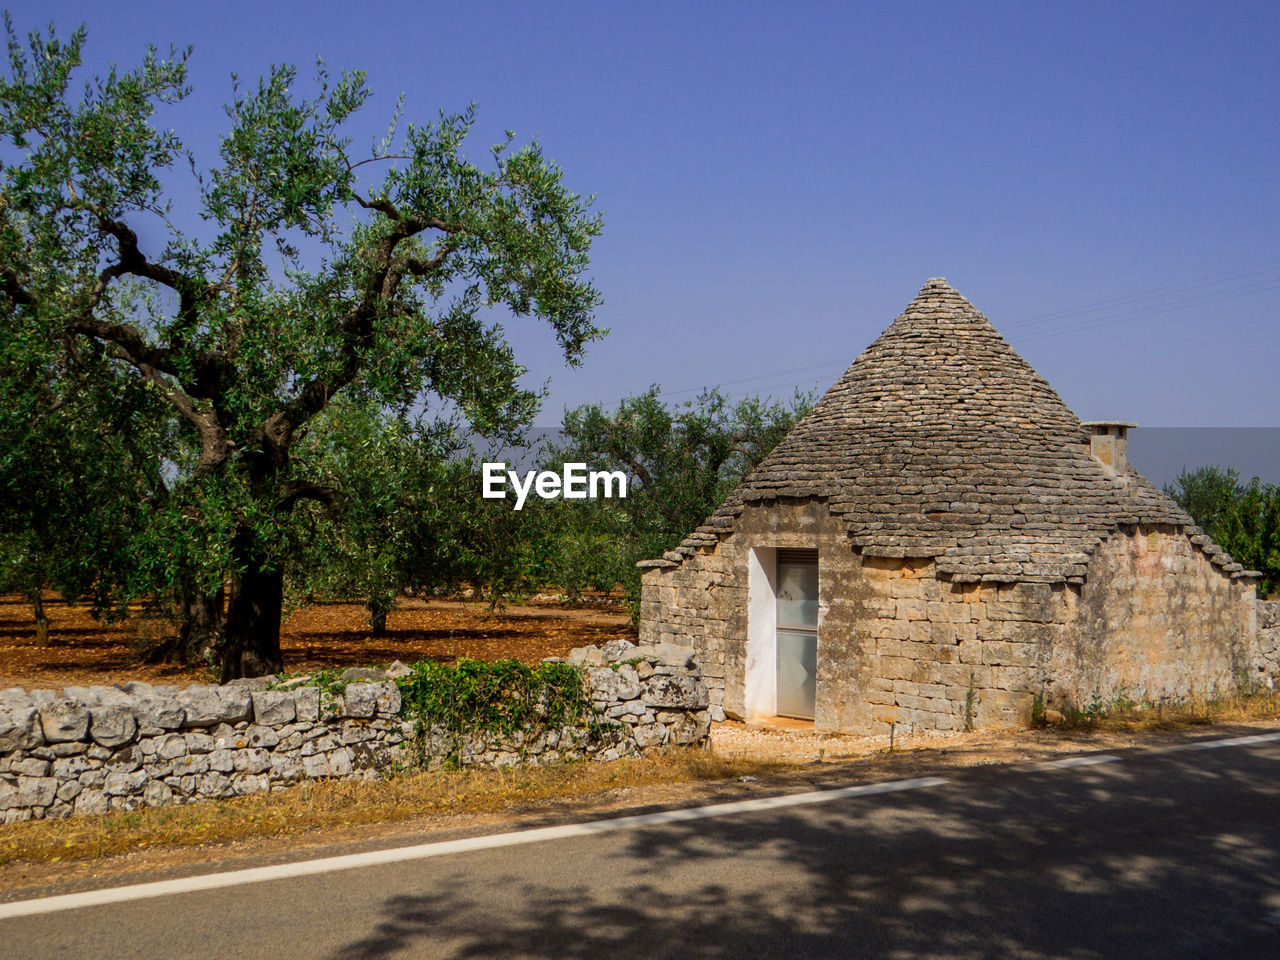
(1109, 444)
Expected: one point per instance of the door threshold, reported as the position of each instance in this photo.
(782, 723)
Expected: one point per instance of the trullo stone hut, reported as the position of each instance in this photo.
(940, 541)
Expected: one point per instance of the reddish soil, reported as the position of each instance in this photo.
(83, 651)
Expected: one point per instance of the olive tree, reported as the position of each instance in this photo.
(310, 272)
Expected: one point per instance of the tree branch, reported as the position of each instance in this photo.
(277, 432)
(215, 449)
(128, 339)
(294, 490)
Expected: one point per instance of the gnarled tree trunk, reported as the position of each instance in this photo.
(251, 637)
(202, 624)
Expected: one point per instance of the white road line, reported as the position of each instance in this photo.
(1231, 742)
(1090, 760)
(73, 901)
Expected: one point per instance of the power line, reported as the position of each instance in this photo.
(1183, 286)
(1272, 283)
(1181, 295)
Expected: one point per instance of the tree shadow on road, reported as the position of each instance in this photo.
(1102, 862)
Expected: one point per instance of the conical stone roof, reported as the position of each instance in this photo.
(941, 441)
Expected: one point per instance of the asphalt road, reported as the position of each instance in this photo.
(1166, 854)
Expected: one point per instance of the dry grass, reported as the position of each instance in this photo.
(1196, 711)
(312, 807)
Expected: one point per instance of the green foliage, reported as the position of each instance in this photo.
(1242, 518)
(682, 462)
(311, 274)
(504, 697)
(398, 478)
(76, 474)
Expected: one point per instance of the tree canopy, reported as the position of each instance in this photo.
(1243, 518)
(312, 275)
(684, 460)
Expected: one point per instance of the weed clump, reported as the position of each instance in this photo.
(507, 699)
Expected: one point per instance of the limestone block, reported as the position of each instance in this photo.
(602, 684)
(35, 791)
(253, 760)
(927, 672)
(333, 706)
(389, 699)
(157, 794)
(889, 629)
(91, 802)
(327, 742)
(68, 767)
(30, 767)
(60, 720)
(207, 706)
(881, 608)
(214, 785)
(684, 692)
(356, 732)
(156, 769)
(896, 668)
(286, 768)
(587, 656)
(650, 735)
(124, 782)
(689, 730)
(198, 742)
(256, 735)
(361, 699)
(112, 724)
(307, 704)
(155, 712)
(340, 762)
(628, 682)
(274, 707)
(670, 653)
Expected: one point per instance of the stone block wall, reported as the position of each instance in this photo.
(1156, 619)
(948, 655)
(88, 750)
(900, 645)
(1266, 663)
(704, 601)
(897, 646)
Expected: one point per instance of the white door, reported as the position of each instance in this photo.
(797, 593)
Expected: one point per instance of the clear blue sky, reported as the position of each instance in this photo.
(779, 180)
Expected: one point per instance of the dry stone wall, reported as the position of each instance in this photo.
(1266, 665)
(88, 750)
